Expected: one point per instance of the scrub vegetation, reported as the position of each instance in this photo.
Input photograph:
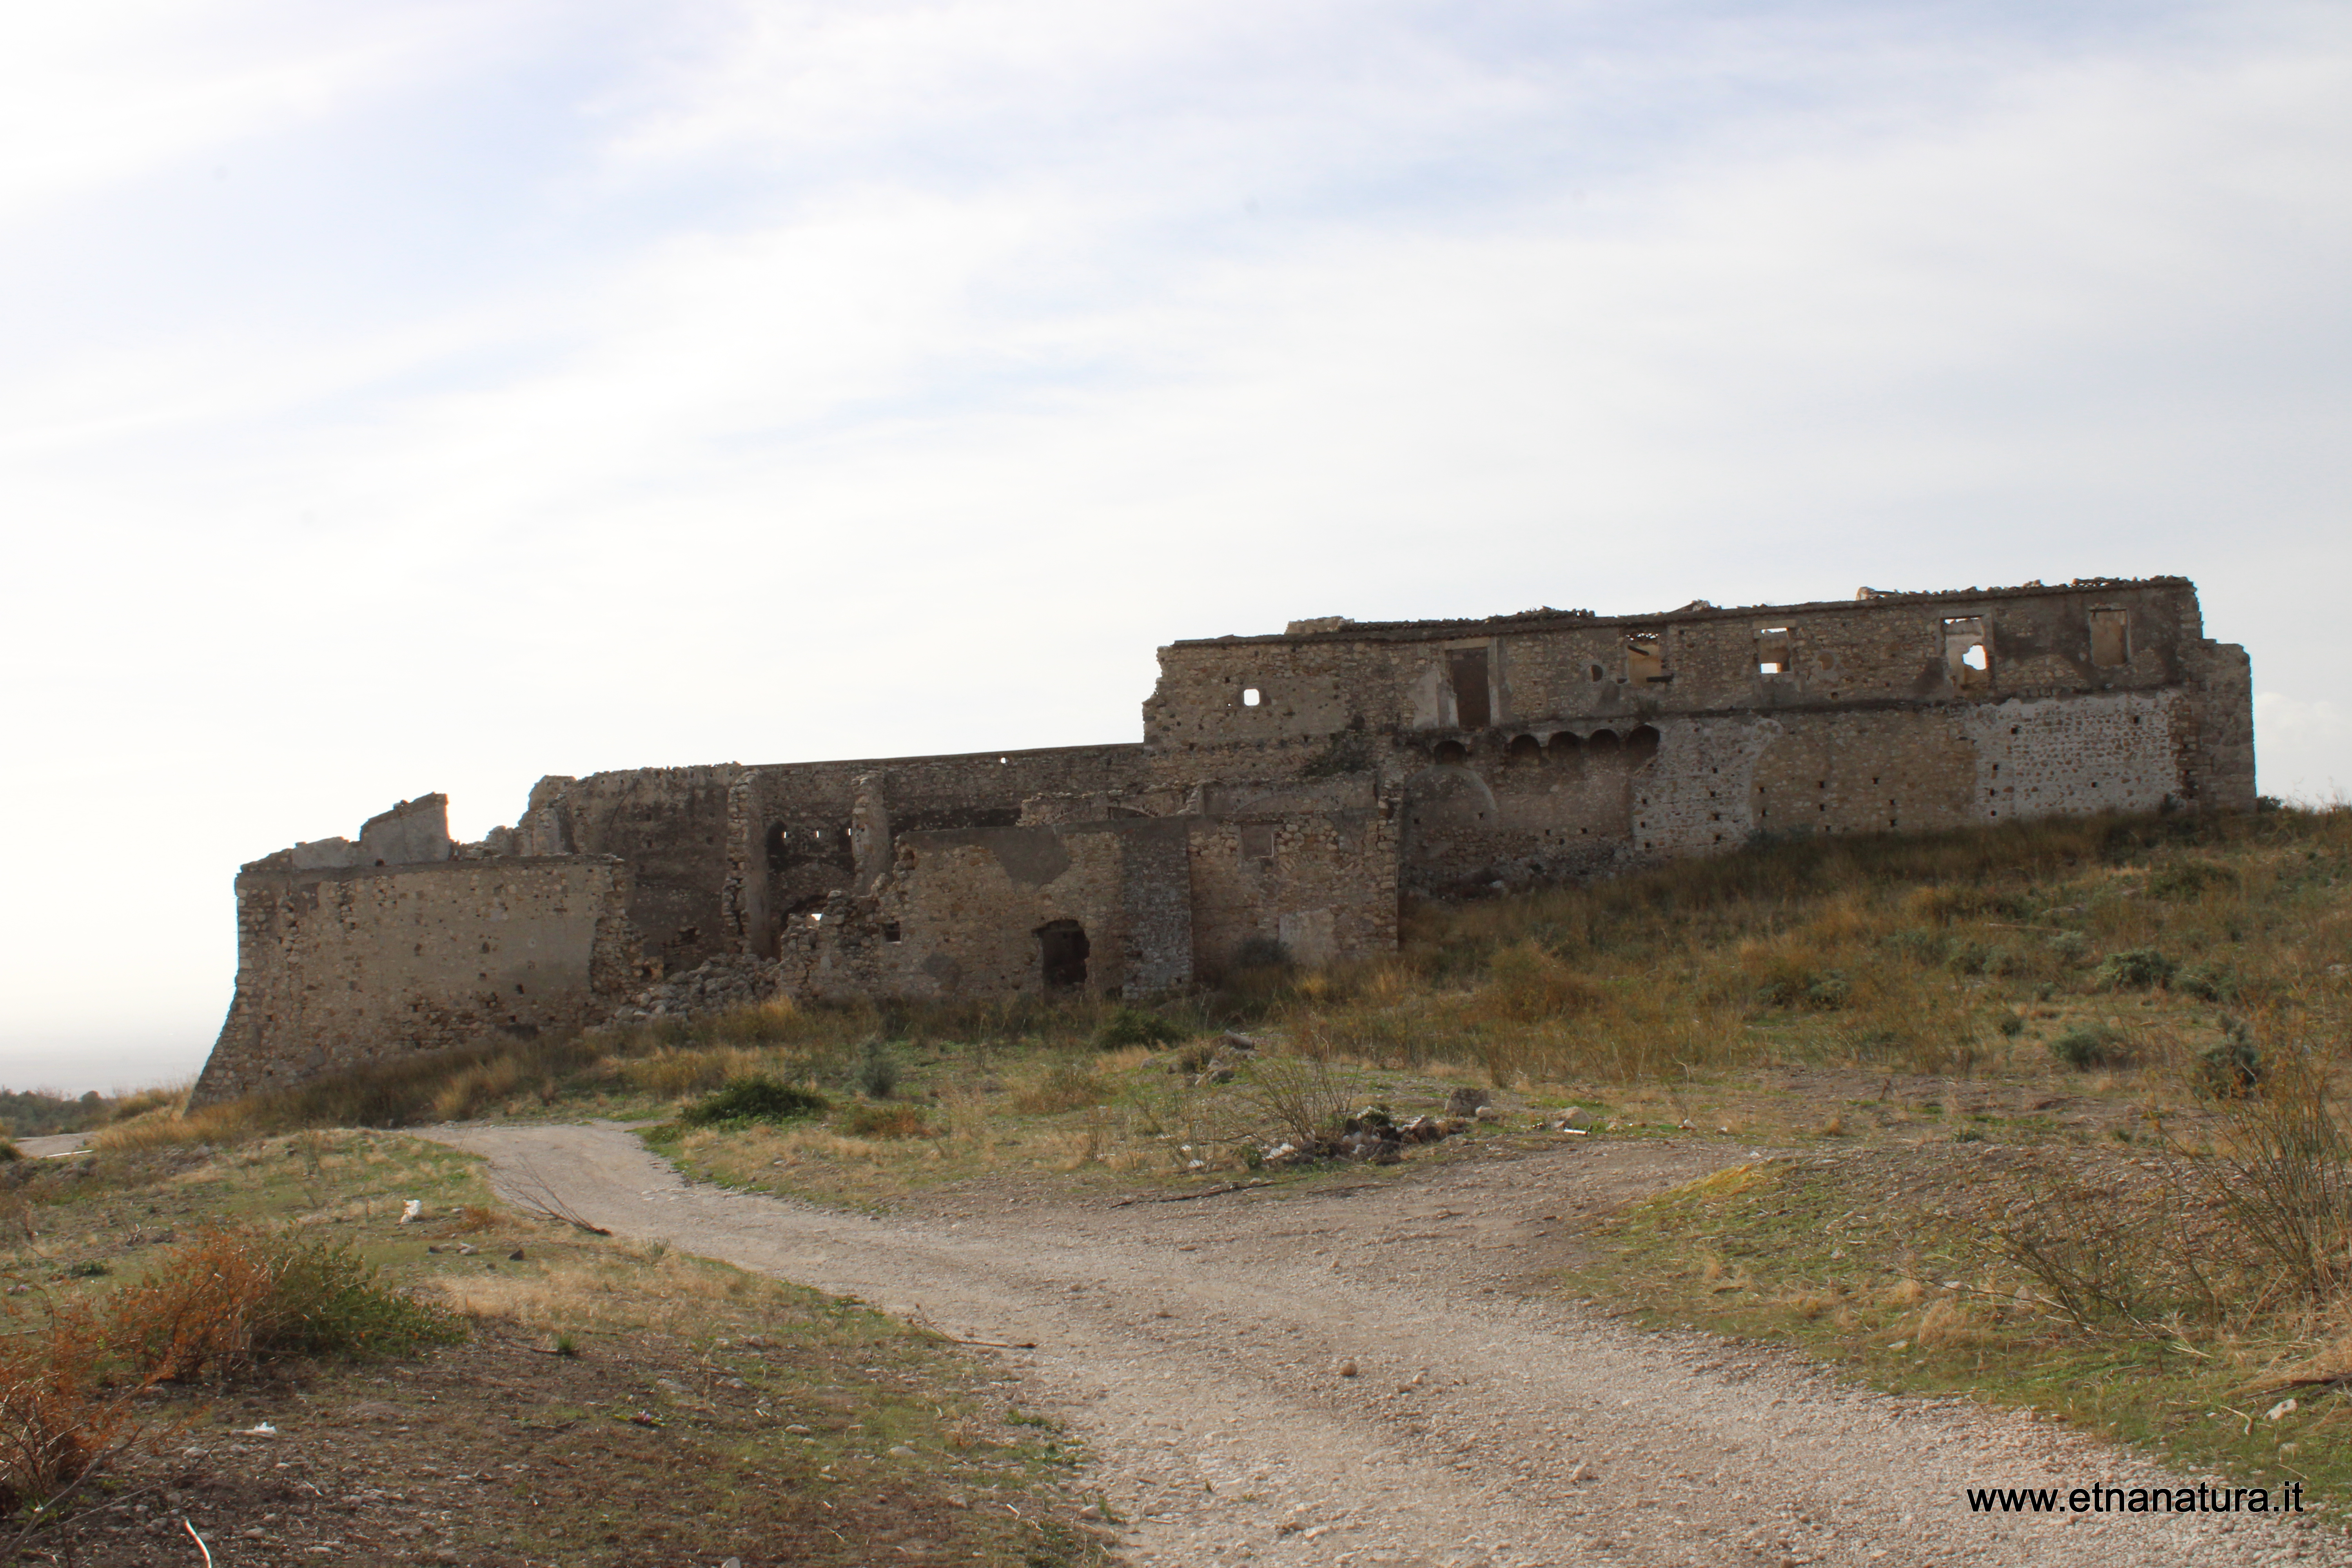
(253, 1345)
(2049, 1112)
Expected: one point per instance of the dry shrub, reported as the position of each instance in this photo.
(887, 1121)
(58, 1415)
(1301, 1095)
(470, 1088)
(236, 1121)
(235, 1296)
(171, 1097)
(1946, 1324)
(1067, 1084)
(672, 1074)
(2282, 1171)
(1526, 983)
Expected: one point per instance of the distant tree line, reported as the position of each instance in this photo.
(29, 1113)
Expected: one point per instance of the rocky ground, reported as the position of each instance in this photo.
(1379, 1373)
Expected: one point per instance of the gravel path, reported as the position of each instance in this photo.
(1201, 1348)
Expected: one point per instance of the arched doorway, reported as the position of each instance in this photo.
(1061, 948)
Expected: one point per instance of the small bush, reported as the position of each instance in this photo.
(2010, 1027)
(2188, 878)
(2139, 969)
(325, 1300)
(878, 1070)
(234, 1297)
(1134, 1027)
(58, 1415)
(885, 1122)
(2209, 983)
(1066, 1085)
(2088, 1046)
(1526, 983)
(755, 1099)
(2229, 1070)
(9, 1150)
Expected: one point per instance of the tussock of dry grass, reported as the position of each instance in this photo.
(609, 1288)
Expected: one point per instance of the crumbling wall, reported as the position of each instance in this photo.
(1288, 790)
(982, 911)
(1560, 667)
(338, 967)
(1322, 884)
(681, 833)
(799, 816)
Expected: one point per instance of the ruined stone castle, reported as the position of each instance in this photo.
(1288, 789)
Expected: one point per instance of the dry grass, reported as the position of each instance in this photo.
(62, 1412)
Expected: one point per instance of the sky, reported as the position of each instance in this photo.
(434, 396)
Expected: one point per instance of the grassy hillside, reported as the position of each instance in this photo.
(2100, 944)
(2048, 1113)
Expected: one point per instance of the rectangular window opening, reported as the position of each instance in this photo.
(1967, 655)
(2110, 636)
(1772, 651)
(1252, 697)
(1645, 658)
(1466, 669)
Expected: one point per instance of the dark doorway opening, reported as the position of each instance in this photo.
(1063, 947)
(1468, 669)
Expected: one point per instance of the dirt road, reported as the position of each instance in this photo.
(1200, 1349)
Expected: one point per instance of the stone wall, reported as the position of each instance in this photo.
(1550, 667)
(981, 911)
(1288, 789)
(346, 966)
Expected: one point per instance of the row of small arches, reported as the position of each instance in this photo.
(1637, 746)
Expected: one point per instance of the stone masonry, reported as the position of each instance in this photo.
(1287, 791)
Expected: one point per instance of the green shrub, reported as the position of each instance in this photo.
(2187, 878)
(2011, 1026)
(1970, 958)
(2088, 1046)
(9, 1150)
(1134, 1026)
(2208, 983)
(2230, 1069)
(233, 1297)
(878, 1070)
(327, 1300)
(1922, 947)
(755, 1099)
(2138, 969)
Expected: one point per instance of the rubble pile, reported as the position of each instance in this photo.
(729, 980)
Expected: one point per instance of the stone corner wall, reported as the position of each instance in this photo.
(342, 967)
